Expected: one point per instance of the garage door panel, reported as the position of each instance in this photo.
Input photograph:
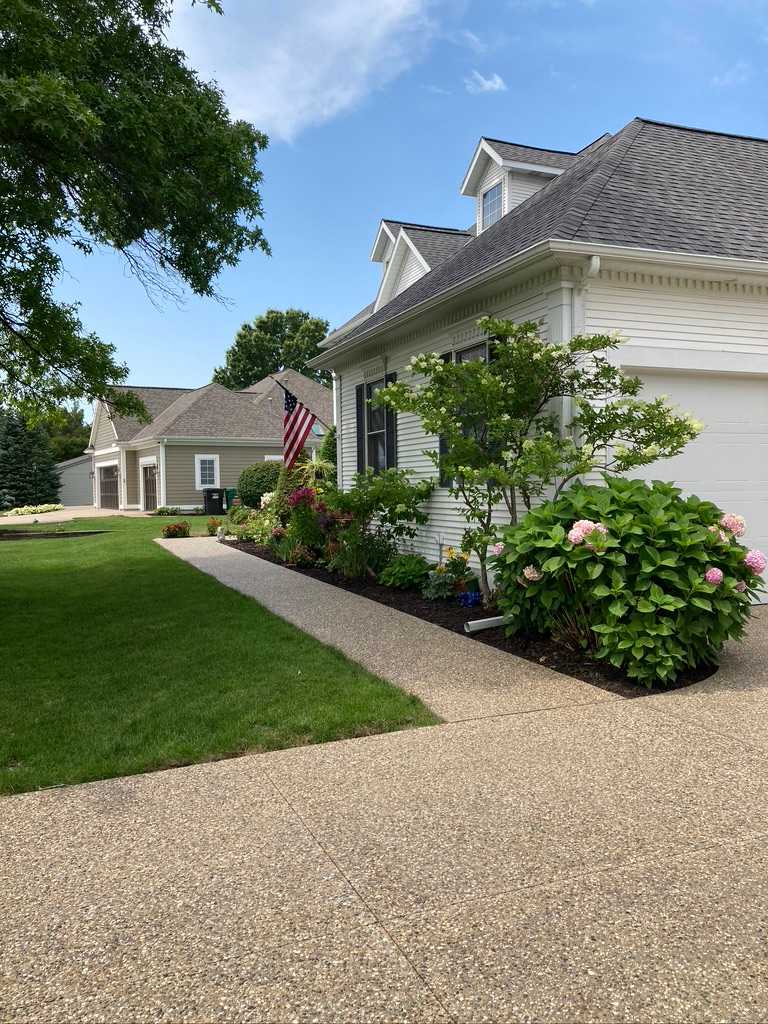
(728, 462)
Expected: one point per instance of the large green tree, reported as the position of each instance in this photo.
(107, 138)
(276, 340)
(27, 466)
(67, 431)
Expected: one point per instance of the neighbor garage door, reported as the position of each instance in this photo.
(728, 462)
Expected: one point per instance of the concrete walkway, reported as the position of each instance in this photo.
(586, 860)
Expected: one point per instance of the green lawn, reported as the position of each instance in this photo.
(116, 658)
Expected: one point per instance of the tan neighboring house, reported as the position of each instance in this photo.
(196, 438)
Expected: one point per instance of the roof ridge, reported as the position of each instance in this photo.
(424, 227)
(637, 124)
(524, 145)
(153, 387)
(701, 131)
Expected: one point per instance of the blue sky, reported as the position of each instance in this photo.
(374, 107)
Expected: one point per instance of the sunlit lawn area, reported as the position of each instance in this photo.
(116, 658)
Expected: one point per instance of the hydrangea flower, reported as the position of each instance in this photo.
(582, 528)
(755, 561)
(714, 576)
(741, 586)
(733, 523)
(531, 573)
(720, 534)
(496, 549)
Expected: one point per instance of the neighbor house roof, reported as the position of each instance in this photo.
(154, 399)
(315, 396)
(651, 186)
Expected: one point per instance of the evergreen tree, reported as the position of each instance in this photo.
(27, 465)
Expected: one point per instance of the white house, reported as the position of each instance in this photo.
(658, 231)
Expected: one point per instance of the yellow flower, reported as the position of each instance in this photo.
(451, 553)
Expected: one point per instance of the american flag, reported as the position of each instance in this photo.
(297, 423)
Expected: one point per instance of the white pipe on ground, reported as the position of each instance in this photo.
(478, 625)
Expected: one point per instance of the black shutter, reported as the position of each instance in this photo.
(360, 407)
(442, 445)
(390, 422)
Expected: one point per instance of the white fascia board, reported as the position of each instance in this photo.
(376, 254)
(483, 152)
(265, 442)
(725, 265)
(395, 265)
(516, 165)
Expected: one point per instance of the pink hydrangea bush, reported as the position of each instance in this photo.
(632, 574)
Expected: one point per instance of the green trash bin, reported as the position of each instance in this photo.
(230, 492)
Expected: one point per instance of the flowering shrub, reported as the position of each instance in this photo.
(267, 499)
(451, 577)
(634, 574)
(302, 496)
(212, 526)
(32, 510)
(176, 530)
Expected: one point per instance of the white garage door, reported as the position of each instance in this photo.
(728, 462)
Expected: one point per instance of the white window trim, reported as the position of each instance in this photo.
(97, 481)
(199, 486)
(273, 458)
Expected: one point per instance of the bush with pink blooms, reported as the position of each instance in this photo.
(631, 573)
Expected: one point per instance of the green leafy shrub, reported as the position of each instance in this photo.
(176, 530)
(406, 572)
(257, 480)
(256, 527)
(212, 526)
(356, 552)
(633, 574)
(167, 510)
(239, 514)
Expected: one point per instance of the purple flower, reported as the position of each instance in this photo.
(714, 576)
(496, 549)
(734, 524)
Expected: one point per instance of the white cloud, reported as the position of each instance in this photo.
(477, 83)
(303, 63)
(736, 74)
(473, 41)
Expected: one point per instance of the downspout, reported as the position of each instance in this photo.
(161, 467)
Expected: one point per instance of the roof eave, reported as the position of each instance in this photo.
(532, 254)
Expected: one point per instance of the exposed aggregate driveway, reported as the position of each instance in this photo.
(550, 853)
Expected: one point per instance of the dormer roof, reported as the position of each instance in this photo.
(514, 157)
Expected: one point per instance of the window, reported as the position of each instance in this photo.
(491, 205)
(476, 352)
(273, 458)
(206, 471)
(375, 430)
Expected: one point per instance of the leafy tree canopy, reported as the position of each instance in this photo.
(68, 433)
(107, 138)
(276, 340)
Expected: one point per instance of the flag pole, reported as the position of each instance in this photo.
(306, 407)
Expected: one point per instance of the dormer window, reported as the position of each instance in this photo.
(492, 205)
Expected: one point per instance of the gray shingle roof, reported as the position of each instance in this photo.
(154, 399)
(652, 185)
(437, 245)
(215, 411)
(531, 154)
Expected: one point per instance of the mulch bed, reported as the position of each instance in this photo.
(33, 535)
(449, 615)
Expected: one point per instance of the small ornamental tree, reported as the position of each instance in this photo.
(530, 420)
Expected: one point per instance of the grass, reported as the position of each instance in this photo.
(118, 658)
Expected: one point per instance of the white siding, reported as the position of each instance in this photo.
(446, 524)
(671, 314)
(411, 270)
(520, 187)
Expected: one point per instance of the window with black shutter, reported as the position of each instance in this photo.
(376, 428)
(465, 355)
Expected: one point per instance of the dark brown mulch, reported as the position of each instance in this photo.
(450, 615)
(32, 535)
